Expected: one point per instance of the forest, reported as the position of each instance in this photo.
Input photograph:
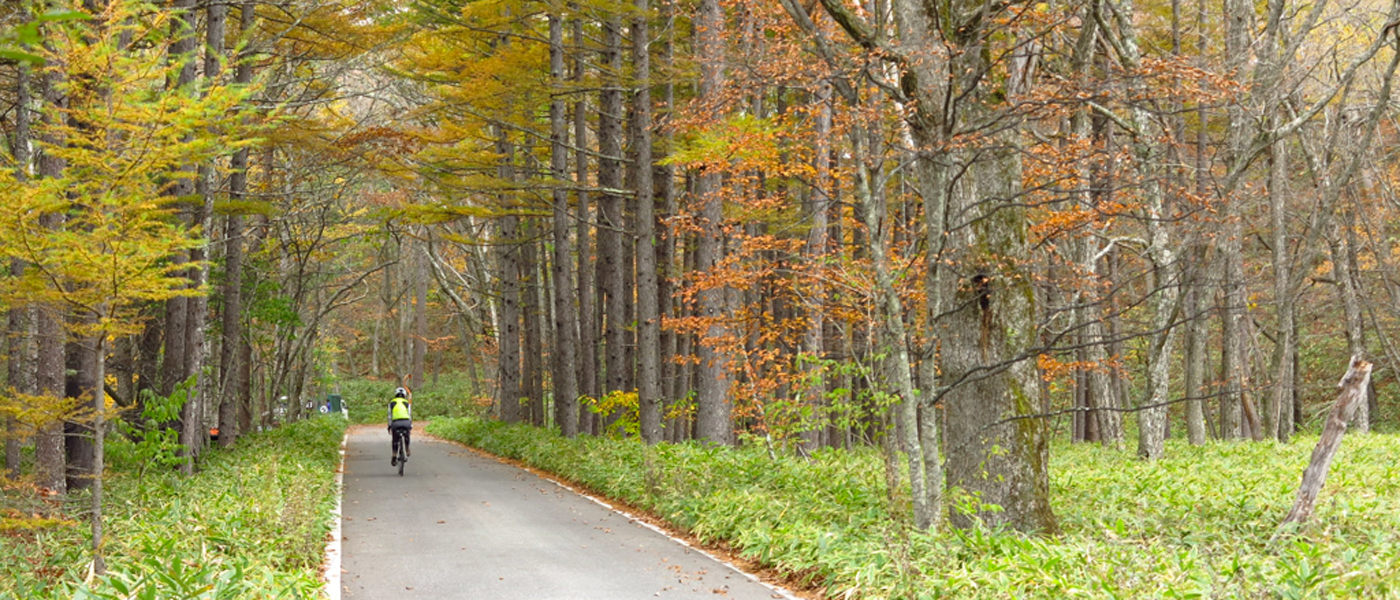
(976, 241)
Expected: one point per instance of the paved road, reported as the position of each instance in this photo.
(458, 525)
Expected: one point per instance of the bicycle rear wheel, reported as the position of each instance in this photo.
(402, 459)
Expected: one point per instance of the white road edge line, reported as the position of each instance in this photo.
(777, 590)
(332, 562)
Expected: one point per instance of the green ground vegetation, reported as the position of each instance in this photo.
(250, 524)
(1199, 524)
(449, 396)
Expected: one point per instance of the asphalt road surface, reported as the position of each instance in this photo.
(459, 525)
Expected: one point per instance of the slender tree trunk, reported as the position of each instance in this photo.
(19, 354)
(713, 416)
(668, 274)
(176, 363)
(1237, 16)
(19, 374)
(48, 330)
(1279, 418)
(82, 379)
(1194, 361)
(418, 342)
(648, 308)
(508, 280)
(1152, 416)
(230, 356)
(893, 338)
(815, 253)
(1351, 393)
(566, 322)
(532, 324)
(611, 225)
(1351, 304)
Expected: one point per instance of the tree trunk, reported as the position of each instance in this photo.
(1351, 392)
(230, 356)
(48, 329)
(1279, 417)
(667, 274)
(1351, 305)
(815, 253)
(1152, 416)
(587, 325)
(648, 309)
(713, 415)
(1237, 17)
(611, 226)
(418, 342)
(19, 354)
(566, 323)
(82, 380)
(532, 354)
(1194, 361)
(893, 339)
(19, 362)
(508, 280)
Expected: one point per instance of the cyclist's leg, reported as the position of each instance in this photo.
(407, 447)
(393, 445)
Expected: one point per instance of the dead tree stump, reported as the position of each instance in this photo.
(1351, 392)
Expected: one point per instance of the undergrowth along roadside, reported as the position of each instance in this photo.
(1195, 525)
(251, 523)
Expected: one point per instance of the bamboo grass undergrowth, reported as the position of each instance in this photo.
(251, 523)
(1194, 525)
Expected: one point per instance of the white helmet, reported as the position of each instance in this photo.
(400, 393)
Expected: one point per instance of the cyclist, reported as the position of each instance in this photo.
(400, 424)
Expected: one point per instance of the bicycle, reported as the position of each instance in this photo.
(400, 448)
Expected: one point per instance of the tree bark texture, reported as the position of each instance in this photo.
(1351, 392)
(564, 363)
(649, 395)
(508, 280)
(713, 414)
(611, 224)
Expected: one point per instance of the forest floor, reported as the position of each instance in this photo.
(459, 524)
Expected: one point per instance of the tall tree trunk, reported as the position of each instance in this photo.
(508, 279)
(532, 354)
(668, 275)
(814, 252)
(893, 338)
(1107, 423)
(48, 329)
(566, 323)
(1237, 18)
(1351, 305)
(418, 342)
(176, 365)
(611, 225)
(713, 415)
(229, 355)
(587, 325)
(1152, 415)
(19, 354)
(19, 361)
(81, 376)
(1279, 417)
(648, 307)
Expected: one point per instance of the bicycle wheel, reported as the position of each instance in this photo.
(402, 459)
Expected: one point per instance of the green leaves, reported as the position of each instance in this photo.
(250, 524)
(14, 41)
(1195, 525)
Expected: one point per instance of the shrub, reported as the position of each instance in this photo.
(250, 524)
(1199, 523)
